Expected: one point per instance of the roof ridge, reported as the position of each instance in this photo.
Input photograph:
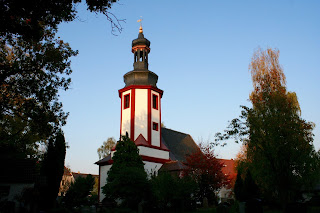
(78, 173)
(175, 131)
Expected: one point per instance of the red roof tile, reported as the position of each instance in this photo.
(229, 167)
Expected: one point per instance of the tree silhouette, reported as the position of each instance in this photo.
(206, 170)
(280, 153)
(127, 179)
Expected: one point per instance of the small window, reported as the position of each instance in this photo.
(155, 101)
(126, 101)
(155, 126)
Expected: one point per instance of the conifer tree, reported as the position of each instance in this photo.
(52, 169)
(238, 188)
(127, 179)
(250, 187)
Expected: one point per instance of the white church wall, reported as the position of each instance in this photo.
(141, 114)
(103, 178)
(155, 117)
(126, 115)
(112, 154)
(151, 167)
(156, 153)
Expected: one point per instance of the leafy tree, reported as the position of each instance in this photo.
(52, 169)
(79, 192)
(250, 187)
(280, 153)
(127, 179)
(30, 76)
(171, 192)
(105, 149)
(67, 180)
(206, 170)
(31, 20)
(239, 188)
(95, 188)
(34, 66)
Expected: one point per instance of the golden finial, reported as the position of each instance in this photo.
(140, 21)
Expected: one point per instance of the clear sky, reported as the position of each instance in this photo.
(201, 51)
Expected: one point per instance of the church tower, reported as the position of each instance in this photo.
(141, 120)
(141, 107)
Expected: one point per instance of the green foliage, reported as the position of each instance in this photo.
(239, 188)
(127, 179)
(31, 20)
(280, 147)
(31, 74)
(95, 188)
(52, 169)
(79, 192)
(206, 170)
(280, 152)
(172, 193)
(250, 187)
(34, 67)
(245, 189)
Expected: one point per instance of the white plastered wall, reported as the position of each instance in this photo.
(151, 152)
(151, 167)
(103, 179)
(141, 113)
(155, 117)
(126, 115)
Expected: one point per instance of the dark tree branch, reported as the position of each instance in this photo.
(114, 22)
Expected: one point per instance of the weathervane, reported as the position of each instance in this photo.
(140, 21)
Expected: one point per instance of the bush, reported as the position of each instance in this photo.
(171, 193)
(78, 193)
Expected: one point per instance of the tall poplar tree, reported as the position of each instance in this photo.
(280, 151)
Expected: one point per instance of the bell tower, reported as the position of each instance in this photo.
(141, 107)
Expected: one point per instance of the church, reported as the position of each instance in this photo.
(159, 148)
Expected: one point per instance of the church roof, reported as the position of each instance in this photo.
(229, 168)
(173, 166)
(104, 161)
(76, 175)
(66, 171)
(141, 40)
(179, 144)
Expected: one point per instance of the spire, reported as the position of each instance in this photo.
(140, 75)
(140, 21)
(140, 49)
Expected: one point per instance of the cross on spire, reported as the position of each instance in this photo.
(140, 21)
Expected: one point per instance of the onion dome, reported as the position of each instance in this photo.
(140, 75)
(141, 40)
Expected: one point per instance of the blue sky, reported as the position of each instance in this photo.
(200, 51)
